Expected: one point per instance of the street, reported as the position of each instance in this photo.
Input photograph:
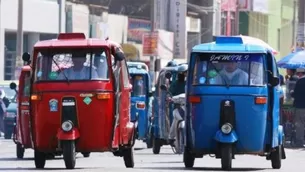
(145, 161)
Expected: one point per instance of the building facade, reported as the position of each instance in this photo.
(40, 22)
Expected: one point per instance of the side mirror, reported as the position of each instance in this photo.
(274, 81)
(168, 75)
(163, 87)
(13, 86)
(119, 55)
(26, 57)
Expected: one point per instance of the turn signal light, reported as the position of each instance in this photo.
(140, 105)
(194, 99)
(103, 96)
(260, 100)
(35, 97)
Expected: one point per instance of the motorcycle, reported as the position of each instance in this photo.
(178, 114)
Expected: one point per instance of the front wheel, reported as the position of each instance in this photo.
(40, 159)
(276, 158)
(188, 159)
(180, 141)
(226, 157)
(156, 146)
(69, 154)
(128, 158)
(19, 151)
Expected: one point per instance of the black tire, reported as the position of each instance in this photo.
(8, 135)
(149, 142)
(188, 159)
(50, 156)
(86, 154)
(19, 151)
(69, 154)
(180, 140)
(226, 157)
(156, 146)
(40, 159)
(276, 158)
(128, 158)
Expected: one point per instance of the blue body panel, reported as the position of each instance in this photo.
(255, 126)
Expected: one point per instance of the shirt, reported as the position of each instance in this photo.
(299, 94)
(78, 75)
(238, 77)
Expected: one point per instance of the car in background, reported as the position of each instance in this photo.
(9, 118)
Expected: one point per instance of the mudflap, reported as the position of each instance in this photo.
(226, 138)
(131, 130)
(71, 135)
(281, 137)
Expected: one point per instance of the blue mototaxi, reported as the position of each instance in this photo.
(140, 97)
(228, 118)
(162, 111)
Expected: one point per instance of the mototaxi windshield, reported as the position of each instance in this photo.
(230, 69)
(71, 64)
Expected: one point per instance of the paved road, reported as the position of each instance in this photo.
(145, 161)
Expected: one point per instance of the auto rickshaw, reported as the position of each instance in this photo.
(162, 110)
(22, 134)
(233, 103)
(140, 98)
(79, 99)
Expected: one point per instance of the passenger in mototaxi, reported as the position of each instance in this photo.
(176, 88)
(78, 71)
(232, 75)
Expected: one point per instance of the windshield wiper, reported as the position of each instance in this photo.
(222, 77)
(67, 79)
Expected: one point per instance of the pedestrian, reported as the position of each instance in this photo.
(299, 104)
(4, 102)
(291, 79)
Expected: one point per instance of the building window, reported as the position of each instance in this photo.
(233, 24)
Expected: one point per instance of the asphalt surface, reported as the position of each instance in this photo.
(145, 161)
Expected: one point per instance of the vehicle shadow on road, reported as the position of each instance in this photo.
(35, 169)
(200, 169)
(25, 159)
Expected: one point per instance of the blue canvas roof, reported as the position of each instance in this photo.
(224, 44)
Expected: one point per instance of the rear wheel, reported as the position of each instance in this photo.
(7, 135)
(19, 151)
(40, 159)
(156, 146)
(149, 141)
(226, 156)
(86, 154)
(188, 159)
(276, 158)
(69, 154)
(128, 158)
(180, 141)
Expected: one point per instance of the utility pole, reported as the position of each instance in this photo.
(207, 22)
(19, 46)
(152, 58)
(59, 16)
(301, 19)
(237, 18)
(294, 23)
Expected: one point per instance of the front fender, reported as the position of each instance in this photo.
(281, 134)
(71, 135)
(226, 138)
(130, 127)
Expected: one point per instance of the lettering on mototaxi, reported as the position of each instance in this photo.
(229, 57)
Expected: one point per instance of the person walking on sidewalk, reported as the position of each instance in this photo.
(299, 104)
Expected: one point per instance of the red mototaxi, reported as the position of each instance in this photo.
(61, 119)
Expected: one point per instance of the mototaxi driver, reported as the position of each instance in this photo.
(78, 71)
(232, 75)
(176, 88)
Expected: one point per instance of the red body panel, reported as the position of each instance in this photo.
(23, 130)
(95, 120)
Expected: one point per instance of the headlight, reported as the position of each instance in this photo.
(226, 128)
(67, 126)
